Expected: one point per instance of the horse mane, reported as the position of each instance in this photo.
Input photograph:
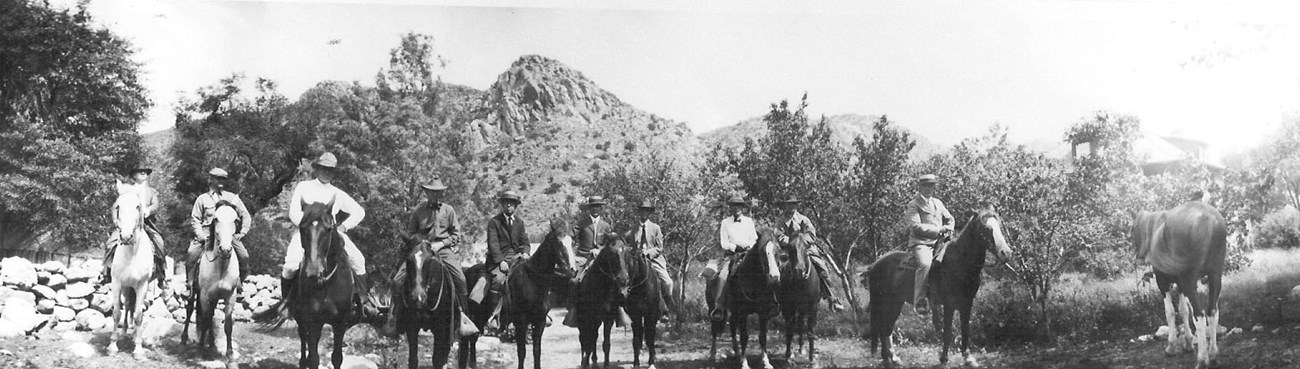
(1145, 227)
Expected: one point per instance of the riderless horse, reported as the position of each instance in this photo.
(800, 294)
(324, 291)
(547, 270)
(218, 280)
(429, 303)
(600, 292)
(479, 313)
(954, 281)
(1184, 245)
(133, 266)
(750, 290)
(642, 305)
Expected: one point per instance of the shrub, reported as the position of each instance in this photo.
(1280, 229)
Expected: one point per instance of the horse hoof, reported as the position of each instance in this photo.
(1171, 351)
(971, 363)
(766, 363)
(744, 364)
(889, 364)
(650, 367)
(112, 348)
(140, 354)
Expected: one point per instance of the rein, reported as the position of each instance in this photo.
(743, 294)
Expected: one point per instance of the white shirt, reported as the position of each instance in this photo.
(315, 192)
(737, 233)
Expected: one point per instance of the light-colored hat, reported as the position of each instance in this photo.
(737, 200)
(218, 172)
(434, 185)
(927, 178)
(327, 160)
(509, 196)
(646, 204)
(595, 200)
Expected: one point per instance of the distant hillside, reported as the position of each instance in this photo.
(845, 128)
(544, 130)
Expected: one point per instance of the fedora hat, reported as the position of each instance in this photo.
(509, 196)
(434, 185)
(927, 179)
(140, 167)
(327, 160)
(595, 201)
(737, 200)
(646, 204)
(218, 172)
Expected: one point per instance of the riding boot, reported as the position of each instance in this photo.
(243, 268)
(286, 287)
(107, 275)
(921, 303)
(364, 303)
(389, 328)
(158, 273)
(830, 296)
(570, 318)
(494, 321)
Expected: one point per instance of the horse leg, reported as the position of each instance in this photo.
(584, 341)
(789, 335)
(740, 323)
(117, 296)
(809, 329)
(889, 318)
(607, 327)
(762, 339)
(651, 330)
(1200, 319)
(714, 330)
(137, 309)
(945, 332)
(1171, 343)
(539, 327)
(304, 336)
(638, 333)
(1184, 310)
(231, 355)
(735, 345)
(442, 343)
(965, 338)
(521, 346)
(189, 311)
(1215, 286)
(340, 330)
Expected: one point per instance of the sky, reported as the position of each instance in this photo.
(1225, 73)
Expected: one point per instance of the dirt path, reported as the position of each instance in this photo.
(1272, 348)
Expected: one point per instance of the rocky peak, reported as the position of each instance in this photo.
(537, 88)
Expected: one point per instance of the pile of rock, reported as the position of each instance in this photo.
(52, 295)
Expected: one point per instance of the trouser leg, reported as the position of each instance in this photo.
(241, 254)
(665, 282)
(110, 247)
(159, 253)
(923, 255)
(451, 258)
(192, 255)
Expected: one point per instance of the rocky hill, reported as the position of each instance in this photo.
(545, 130)
(845, 127)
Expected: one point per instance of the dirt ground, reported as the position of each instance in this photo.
(1272, 348)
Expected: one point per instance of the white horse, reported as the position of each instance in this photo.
(218, 279)
(132, 268)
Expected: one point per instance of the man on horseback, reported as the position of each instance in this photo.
(507, 246)
(592, 230)
(139, 177)
(321, 190)
(434, 223)
(201, 217)
(798, 225)
(930, 225)
(649, 240)
(737, 234)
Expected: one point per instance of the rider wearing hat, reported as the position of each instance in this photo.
(737, 234)
(649, 240)
(139, 177)
(592, 231)
(930, 224)
(798, 225)
(434, 223)
(201, 217)
(321, 190)
(507, 245)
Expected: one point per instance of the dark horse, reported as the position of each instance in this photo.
(599, 294)
(323, 294)
(547, 270)
(953, 284)
(800, 294)
(1183, 245)
(479, 313)
(642, 305)
(428, 303)
(750, 289)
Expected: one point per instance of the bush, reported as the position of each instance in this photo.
(1280, 229)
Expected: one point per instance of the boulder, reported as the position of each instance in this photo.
(56, 281)
(64, 314)
(18, 272)
(8, 330)
(65, 326)
(73, 337)
(78, 304)
(242, 315)
(45, 306)
(53, 267)
(61, 297)
(92, 320)
(22, 316)
(1222, 330)
(44, 292)
(155, 329)
(157, 310)
(1257, 328)
(1234, 331)
(101, 302)
(81, 349)
(42, 276)
(358, 362)
(81, 274)
(79, 289)
(178, 315)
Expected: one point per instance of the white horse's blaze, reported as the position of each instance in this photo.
(773, 271)
(999, 240)
(568, 250)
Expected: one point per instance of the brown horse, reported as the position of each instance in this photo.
(800, 294)
(548, 270)
(642, 304)
(953, 282)
(428, 303)
(1183, 245)
(600, 292)
(750, 290)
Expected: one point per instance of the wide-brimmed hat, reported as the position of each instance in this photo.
(646, 204)
(595, 201)
(327, 160)
(509, 196)
(219, 173)
(792, 199)
(927, 179)
(141, 167)
(434, 184)
(737, 200)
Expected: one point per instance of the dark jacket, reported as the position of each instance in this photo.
(504, 242)
(591, 235)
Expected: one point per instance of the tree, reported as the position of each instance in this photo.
(880, 182)
(70, 101)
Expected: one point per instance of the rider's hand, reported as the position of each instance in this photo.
(343, 229)
(504, 266)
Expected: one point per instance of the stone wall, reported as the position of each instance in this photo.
(54, 296)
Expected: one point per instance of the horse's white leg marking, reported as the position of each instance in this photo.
(971, 362)
(766, 364)
(115, 293)
(744, 364)
(1185, 309)
(1213, 331)
(1202, 354)
(1171, 341)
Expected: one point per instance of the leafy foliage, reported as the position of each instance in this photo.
(70, 101)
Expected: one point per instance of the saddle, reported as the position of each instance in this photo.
(910, 263)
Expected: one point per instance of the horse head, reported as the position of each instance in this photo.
(130, 211)
(610, 261)
(555, 254)
(223, 229)
(798, 248)
(317, 232)
(985, 225)
(763, 256)
(420, 256)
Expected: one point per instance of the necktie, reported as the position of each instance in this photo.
(510, 222)
(644, 242)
